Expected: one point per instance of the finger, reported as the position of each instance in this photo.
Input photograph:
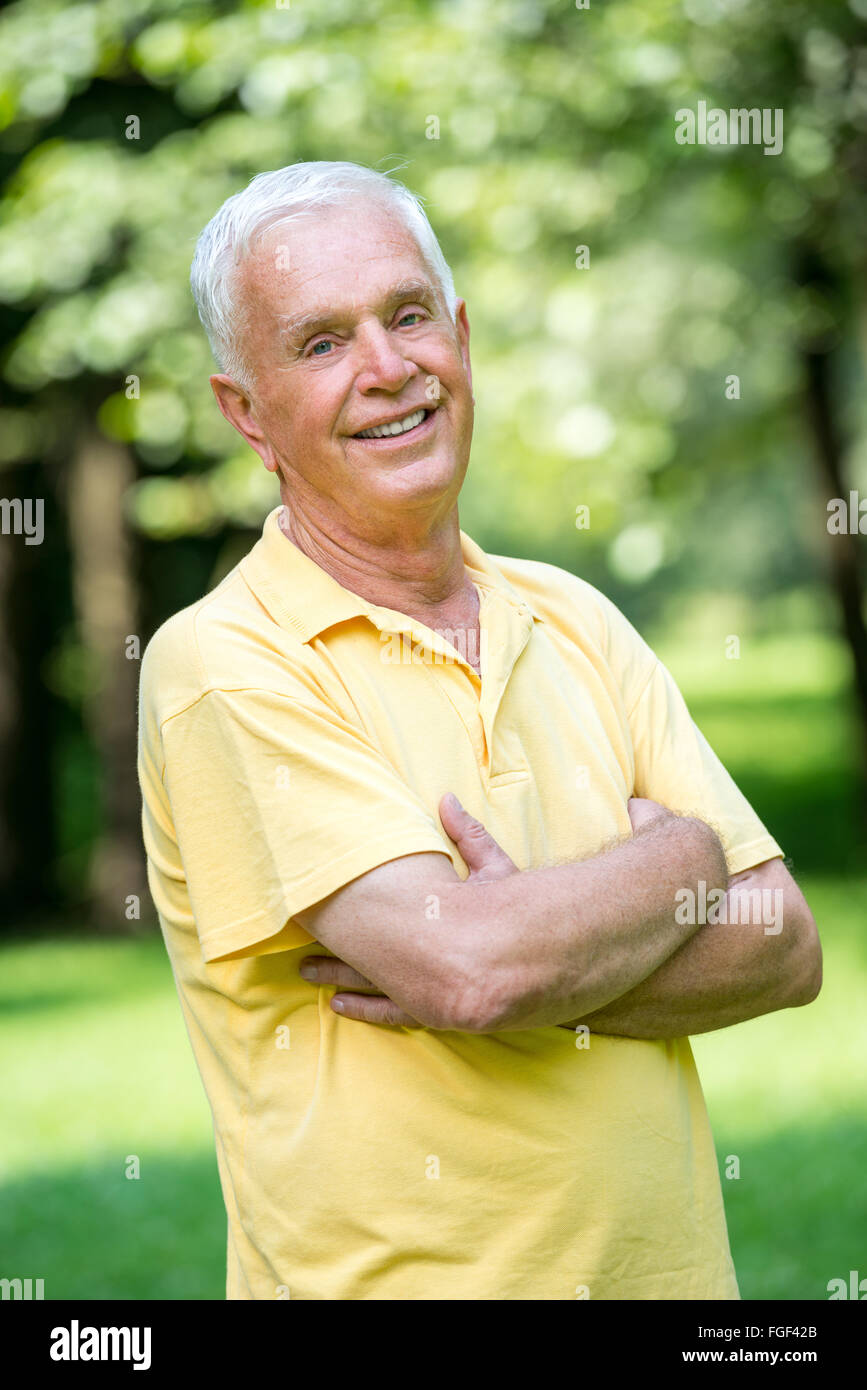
(643, 811)
(328, 970)
(372, 1008)
(478, 848)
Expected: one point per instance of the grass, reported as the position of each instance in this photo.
(786, 1097)
(102, 1071)
(786, 1092)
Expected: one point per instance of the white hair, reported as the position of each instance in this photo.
(277, 197)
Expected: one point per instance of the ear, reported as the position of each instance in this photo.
(462, 327)
(238, 408)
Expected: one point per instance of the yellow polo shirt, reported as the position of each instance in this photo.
(294, 736)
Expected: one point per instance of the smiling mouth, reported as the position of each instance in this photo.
(408, 427)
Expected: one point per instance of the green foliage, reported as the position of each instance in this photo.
(603, 386)
(123, 126)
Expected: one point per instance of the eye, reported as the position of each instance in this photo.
(410, 314)
(323, 343)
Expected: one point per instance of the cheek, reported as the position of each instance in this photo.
(457, 374)
(294, 412)
(454, 387)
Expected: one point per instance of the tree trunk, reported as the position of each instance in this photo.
(28, 713)
(843, 549)
(104, 590)
(813, 273)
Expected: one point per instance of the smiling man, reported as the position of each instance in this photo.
(423, 913)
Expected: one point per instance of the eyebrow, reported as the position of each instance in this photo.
(294, 329)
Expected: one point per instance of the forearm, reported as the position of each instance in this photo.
(721, 976)
(553, 944)
(725, 974)
(613, 942)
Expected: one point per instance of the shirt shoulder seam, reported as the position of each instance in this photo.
(221, 690)
(231, 690)
(640, 696)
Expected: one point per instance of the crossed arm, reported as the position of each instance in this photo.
(597, 942)
(728, 972)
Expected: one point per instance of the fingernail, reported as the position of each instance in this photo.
(309, 972)
(337, 1005)
(452, 801)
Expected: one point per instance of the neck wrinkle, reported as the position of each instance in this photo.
(445, 585)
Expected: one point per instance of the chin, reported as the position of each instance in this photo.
(421, 478)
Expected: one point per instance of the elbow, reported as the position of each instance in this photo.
(808, 990)
(810, 986)
(809, 974)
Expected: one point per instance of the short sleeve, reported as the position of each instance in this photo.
(675, 765)
(276, 805)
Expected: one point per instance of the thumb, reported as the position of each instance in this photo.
(482, 855)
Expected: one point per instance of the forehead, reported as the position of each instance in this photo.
(336, 257)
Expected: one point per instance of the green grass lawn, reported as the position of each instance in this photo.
(97, 1068)
(101, 1070)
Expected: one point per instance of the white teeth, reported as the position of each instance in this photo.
(409, 422)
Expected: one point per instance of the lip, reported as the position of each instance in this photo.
(409, 437)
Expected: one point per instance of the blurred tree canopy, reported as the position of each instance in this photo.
(532, 128)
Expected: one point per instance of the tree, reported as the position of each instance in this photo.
(532, 129)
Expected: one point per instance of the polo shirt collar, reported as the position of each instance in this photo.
(302, 596)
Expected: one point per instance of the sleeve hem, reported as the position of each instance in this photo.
(275, 919)
(746, 856)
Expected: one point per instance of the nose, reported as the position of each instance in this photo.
(382, 365)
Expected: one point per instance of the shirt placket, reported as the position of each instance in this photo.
(505, 629)
(455, 677)
(506, 632)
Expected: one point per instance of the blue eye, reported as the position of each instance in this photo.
(325, 343)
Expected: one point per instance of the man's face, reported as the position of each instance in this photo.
(345, 329)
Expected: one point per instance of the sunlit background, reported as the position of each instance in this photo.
(669, 362)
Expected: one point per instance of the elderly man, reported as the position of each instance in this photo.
(430, 832)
